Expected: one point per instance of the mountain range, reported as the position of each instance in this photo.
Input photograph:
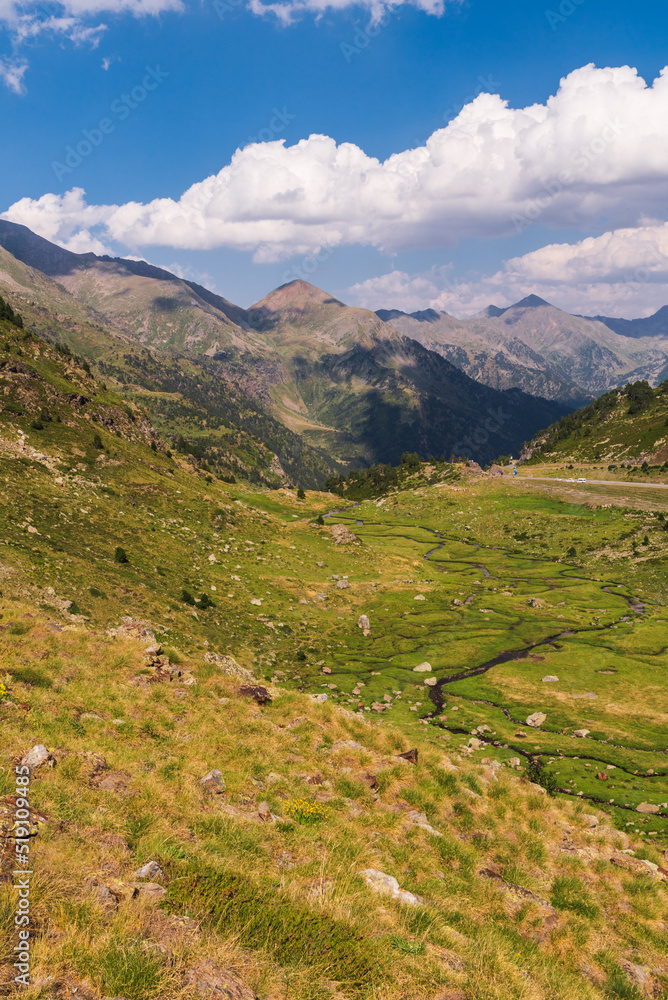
(301, 385)
(543, 350)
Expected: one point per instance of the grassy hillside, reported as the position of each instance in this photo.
(222, 420)
(626, 428)
(274, 876)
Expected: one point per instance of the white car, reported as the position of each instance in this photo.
(582, 480)
(570, 480)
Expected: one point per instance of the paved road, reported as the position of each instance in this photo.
(598, 482)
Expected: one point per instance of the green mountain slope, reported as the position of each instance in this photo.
(368, 393)
(147, 303)
(188, 397)
(626, 425)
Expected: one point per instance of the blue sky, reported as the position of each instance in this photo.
(223, 76)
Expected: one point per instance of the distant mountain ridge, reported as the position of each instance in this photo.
(541, 349)
(349, 385)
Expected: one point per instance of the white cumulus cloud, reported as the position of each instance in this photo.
(620, 273)
(596, 149)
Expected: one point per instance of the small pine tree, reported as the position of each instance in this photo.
(319, 519)
(571, 552)
(120, 555)
(187, 597)
(97, 442)
(645, 540)
(300, 494)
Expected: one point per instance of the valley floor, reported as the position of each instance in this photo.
(247, 744)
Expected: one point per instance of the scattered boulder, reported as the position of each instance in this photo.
(151, 870)
(591, 820)
(649, 808)
(536, 719)
(256, 692)
(363, 622)
(581, 732)
(535, 602)
(264, 812)
(387, 885)
(342, 584)
(213, 782)
(550, 679)
(229, 665)
(641, 977)
(421, 820)
(422, 668)
(410, 755)
(341, 535)
(419, 597)
(431, 681)
(38, 757)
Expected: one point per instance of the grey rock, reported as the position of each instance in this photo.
(213, 782)
(151, 870)
(387, 885)
(38, 757)
(229, 666)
